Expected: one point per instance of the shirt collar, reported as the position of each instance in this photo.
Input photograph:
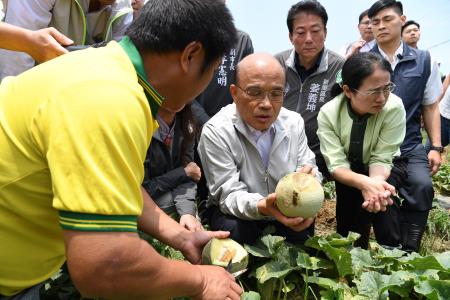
(257, 133)
(153, 97)
(302, 71)
(396, 59)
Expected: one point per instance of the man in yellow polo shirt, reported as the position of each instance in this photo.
(73, 137)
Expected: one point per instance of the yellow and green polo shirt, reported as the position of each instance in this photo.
(73, 138)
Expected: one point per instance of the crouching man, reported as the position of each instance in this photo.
(247, 147)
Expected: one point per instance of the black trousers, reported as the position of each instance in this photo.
(350, 216)
(418, 193)
(248, 231)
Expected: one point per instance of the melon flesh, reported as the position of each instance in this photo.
(220, 252)
(299, 195)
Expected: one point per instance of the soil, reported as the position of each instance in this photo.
(326, 219)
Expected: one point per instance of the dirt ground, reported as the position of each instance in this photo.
(326, 218)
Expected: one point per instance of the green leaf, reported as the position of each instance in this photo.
(371, 285)
(331, 289)
(334, 239)
(434, 289)
(250, 296)
(287, 253)
(257, 251)
(361, 260)
(272, 269)
(337, 240)
(326, 283)
(272, 242)
(383, 253)
(439, 262)
(426, 274)
(341, 257)
(400, 282)
(312, 263)
(267, 246)
(444, 259)
(289, 287)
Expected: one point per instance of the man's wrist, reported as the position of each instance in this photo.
(439, 149)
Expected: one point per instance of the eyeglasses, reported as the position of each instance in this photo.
(386, 90)
(257, 93)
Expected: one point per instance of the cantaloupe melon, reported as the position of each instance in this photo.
(220, 252)
(299, 195)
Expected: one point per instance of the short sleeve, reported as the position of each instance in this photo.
(433, 86)
(95, 139)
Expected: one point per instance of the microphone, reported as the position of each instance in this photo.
(399, 56)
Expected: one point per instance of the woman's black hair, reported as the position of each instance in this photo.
(189, 129)
(357, 68)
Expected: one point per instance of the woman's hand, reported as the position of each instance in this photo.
(377, 194)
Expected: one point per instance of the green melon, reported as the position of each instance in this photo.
(299, 195)
(219, 252)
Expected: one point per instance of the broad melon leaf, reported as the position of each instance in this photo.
(371, 285)
(250, 296)
(257, 251)
(288, 288)
(341, 257)
(287, 253)
(334, 240)
(331, 289)
(401, 283)
(272, 242)
(272, 269)
(323, 282)
(439, 262)
(434, 289)
(383, 253)
(444, 259)
(266, 247)
(362, 260)
(312, 263)
(426, 274)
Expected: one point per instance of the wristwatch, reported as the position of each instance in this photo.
(439, 149)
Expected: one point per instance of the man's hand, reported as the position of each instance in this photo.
(194, 242)
(356, 46)
(46, 44)
(434, 161)
(218, 284)
(267, 206)
(193, 171)
(191, 223)
(306, 169)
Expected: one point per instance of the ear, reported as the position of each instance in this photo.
(347, 91)
(233, 92)
(291, 38)
(403, 19)
(192, 56)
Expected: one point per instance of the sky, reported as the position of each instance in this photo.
(265, 22)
